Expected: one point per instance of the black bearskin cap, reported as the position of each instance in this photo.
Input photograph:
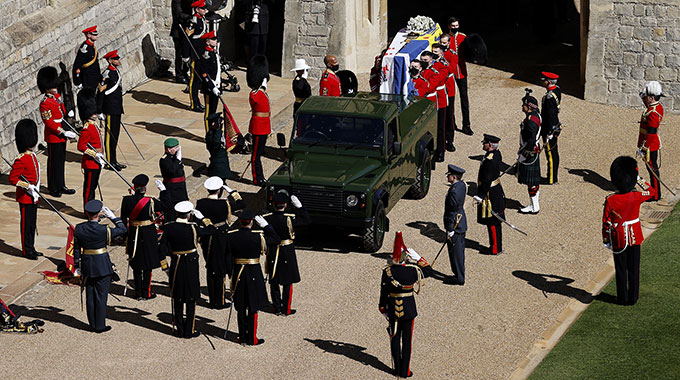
(474, 50)
(47, 78)
(258, 70)
(624, 173)
(87, 104)
(348, 82)
(26, 135)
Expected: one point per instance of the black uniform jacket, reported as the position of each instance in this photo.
(218, 259)
(286, 271)
(195, 29)
(91, 235)
(301, 88)
(550, 109)
(219, 161)
(180, 241)
(262, 26)
(110, 92)
(142, 239)
(209, 67)
(86, 66)
(453, 206)
(489, 188)
(397, 290)
(172, 169)
(247, 281)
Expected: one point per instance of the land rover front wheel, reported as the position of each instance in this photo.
(422, 186)
(372, 237)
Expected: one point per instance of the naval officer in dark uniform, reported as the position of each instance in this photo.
(490, 197)
(248, 289)
(92, 257)
(455, 223)
(282, 263)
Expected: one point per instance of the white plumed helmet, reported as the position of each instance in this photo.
(652, 88)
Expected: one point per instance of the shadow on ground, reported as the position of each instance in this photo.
(593, 177)
(351, 351)
(153, 98)
(551, 283)
(170, 131)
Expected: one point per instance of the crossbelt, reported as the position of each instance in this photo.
(97, 251)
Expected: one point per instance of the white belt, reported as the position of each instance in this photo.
(57, 120)
(431, 95)
(628, 222)
(450, 76)
(441, 87)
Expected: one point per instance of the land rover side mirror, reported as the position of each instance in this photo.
(281, 140)
(396, 148)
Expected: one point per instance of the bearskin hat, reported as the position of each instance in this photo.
(47, 78)
(624, 173)
(258, 70)
(348, 82)
(474, 50)
(26, 135)
(87, 104)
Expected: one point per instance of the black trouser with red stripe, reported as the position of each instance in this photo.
(142, 282)
(495, 230)
(216, 289)
(56, 156)
(184, 324)
(450, 120)
(28, 219)
(441, 134)
(90, 183)
(247, 324)
(400, 343)
(653, 162)
(464, 101)
(281, 305)
(259, 143)
(627, 265)
(211, 102)
(111, 134)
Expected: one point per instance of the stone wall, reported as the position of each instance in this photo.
(51, 35)
(629, 43)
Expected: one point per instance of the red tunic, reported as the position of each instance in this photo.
(443, 66)
(260, 121)
(621, 218)
(90, 134)
(25, 164)
(437, 80)
(52, 111)
(329, 84)
(460, 69)
(422, 85)
(452, 59)
(649, 124)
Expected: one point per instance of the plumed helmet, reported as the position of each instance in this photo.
(258, 70)
(399, 250)
(474, 49)
(624, 173)
(47, 78)
(348, 82)
(87, 104)
(530, 101)
(26, 135)
(652, 88)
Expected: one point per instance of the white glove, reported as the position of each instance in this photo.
(101, 116)
(412, 254)
(99, 157)
(228, 189)
(179, 153)
(33, 192)
(77, 272)
(197, 214)
(450, 234)
(477, 199)
(295, 201)
(79, 87)
(71, 113)
(639, 153)
(216, 91)
(108, 213)
(185, 60)
(608, 245)
(261, 221)
(160, 185)
(70, 134)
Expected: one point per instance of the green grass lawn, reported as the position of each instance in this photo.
(628, 342)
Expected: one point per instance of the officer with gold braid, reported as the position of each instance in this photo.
(193, 45)
(110, 107)
(86, 72)
(490, 196)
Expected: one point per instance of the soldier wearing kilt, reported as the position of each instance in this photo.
(529, 165)
(138, 212)
(490, 196)
(218, 259)
(282, 263)
(248, 290)
(180, 241)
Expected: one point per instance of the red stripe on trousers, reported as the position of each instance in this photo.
(255, 329)
(252, 159)
(148, 294)
(413, 321)
(290, 297)
(23, 228)
(494, 239)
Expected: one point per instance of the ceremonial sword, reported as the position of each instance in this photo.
(657, 177)
(112, 168)
(133, 141)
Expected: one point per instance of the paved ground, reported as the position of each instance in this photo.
(480, 331)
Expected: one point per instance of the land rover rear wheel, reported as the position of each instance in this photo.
(423, 175)
(372, 237)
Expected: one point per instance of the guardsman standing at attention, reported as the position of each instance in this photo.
(452, 59)
(180, 241)
(217, 147)
(550, 124)
(86, 72)
(92, 257)
(490, 196)
(420, 84)
(211, 75)
(248, 290)
(648, 138)
(330, 83)
(435, 74)
(621, 230)
(52, 112)
(529, 165)
(460, 72)
(93, 159)
(448, 90)
(260, 121)
(301, 88)
(193, 45)
(138, 212)
(401, 280)
(282, 263)
(455, 223)
(172, 171)
(27, 168)
(218, 260)
(110, 106)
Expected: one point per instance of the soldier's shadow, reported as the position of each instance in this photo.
(61, 206)
(512, 204)
(432, 231)
(205, 326)
(170, 131)
(52, 314)
(594, 178)
(154, 98)
(316, 238)
(351, 351)
(9, 250)
(551, 283)
(137, 317)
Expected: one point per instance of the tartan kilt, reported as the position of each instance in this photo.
(529, 175)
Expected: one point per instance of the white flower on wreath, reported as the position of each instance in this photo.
(419, 24)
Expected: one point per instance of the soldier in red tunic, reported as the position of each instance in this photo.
(422, 86)
(330, 84)
(25, 175)
(450, 90)
(260, 122)
(460, 72)
(93, 159)
(52, 111)
(436, 73)
(621, 231)
(648, 139)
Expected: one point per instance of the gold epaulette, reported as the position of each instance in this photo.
(231, 231)
(267, 214)
(290, 215)
(490, 156)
